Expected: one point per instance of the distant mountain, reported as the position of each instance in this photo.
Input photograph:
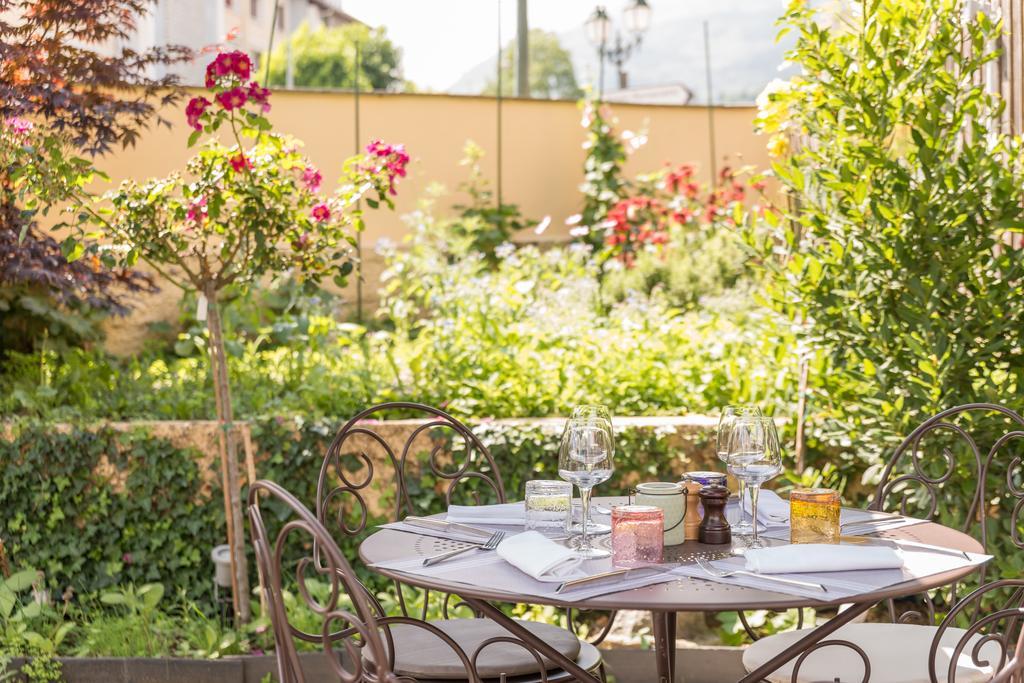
(744, 54)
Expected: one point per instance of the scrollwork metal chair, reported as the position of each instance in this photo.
(974, 639)
(458, 467)
(346, 614)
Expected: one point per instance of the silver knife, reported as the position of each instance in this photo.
(575, 583)
(900, 543)
(442, 525)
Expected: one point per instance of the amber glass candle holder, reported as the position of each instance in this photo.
(814, 516)
(638, 535)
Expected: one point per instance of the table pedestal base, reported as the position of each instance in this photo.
(665, 645)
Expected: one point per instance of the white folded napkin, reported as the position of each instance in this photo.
(538, 556)
(772, 510)
(820, 557)
(502, 514)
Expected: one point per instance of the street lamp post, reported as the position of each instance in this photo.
(637, 18)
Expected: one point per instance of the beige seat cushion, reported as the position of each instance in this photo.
(898, 654)
(589, 659)
(422, 655)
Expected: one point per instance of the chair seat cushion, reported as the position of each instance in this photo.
(898, 654)
(422, 655)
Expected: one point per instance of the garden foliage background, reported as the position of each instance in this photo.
(881, 269)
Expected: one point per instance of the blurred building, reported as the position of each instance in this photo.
(669, 93)
(241, 24)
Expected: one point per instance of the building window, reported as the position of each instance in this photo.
(280, 18)
(254, 8)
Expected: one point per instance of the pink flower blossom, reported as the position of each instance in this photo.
(260, 96)
(390, 160)
(239, 163)
(321, 213)
(18, 126)
(228, 64)
(312, 178)
(195, 110)
(196, 211)
(235, 63)
(232, 99)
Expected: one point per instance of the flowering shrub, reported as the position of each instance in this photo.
(670, 203)
(240, 211)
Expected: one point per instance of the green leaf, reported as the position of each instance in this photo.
(20, 581)
(72, 249)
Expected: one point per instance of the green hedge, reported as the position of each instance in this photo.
(93, 507)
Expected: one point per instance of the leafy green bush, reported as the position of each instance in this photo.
(895, 261)
(95, 508)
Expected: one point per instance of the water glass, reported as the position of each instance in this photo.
(814, 516)
(755, 456)
(726, 419)
(638, 536)
(547, 504)
(585, 458)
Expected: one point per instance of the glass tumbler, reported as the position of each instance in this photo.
(638, 535)
(547, 504)
(814, 516)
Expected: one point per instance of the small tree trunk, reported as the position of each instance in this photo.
(229, 459)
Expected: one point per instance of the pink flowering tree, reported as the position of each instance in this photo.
(240, 211)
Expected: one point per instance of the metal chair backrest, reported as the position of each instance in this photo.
(349, 627)
(457, 466)
(978, 447)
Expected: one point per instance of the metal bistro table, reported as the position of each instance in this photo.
(664, 600)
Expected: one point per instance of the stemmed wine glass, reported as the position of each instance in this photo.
(755, 456)
(599, 412)
(726, 419)
(585, 458)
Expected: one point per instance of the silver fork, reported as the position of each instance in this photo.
(726, 573)
(491, 543)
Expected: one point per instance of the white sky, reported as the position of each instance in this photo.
(442, 39)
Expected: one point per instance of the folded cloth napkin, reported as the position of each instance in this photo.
(538, 556)
(820, 557)
(772, 510)
(502, 514)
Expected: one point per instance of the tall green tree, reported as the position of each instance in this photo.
(326, 58)
(896, 260)
(551, 72)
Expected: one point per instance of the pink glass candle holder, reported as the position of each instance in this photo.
(638, 535)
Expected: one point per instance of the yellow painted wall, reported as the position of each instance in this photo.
(541, 166)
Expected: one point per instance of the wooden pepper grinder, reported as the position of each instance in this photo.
(691, 522)
(714, 528)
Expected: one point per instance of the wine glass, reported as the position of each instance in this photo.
(755, 456)
(585, 458)
(600, 412)
(726, 419)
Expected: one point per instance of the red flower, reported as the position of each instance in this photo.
(233, 98)
(391, 160)
(260, 96)
(232, 64)
(235, 63)
(196, 211)
(312, 178)
(195, 110)
(239, 163)
(321, 213)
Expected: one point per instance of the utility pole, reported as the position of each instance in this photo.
(711, 105)
(498, 197)
(522, 51)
